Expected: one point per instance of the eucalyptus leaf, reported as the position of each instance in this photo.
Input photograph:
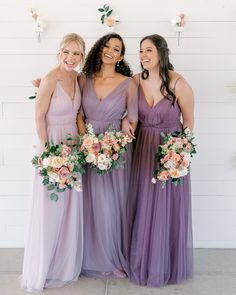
(60, 190)
(46, 181)
(109, 13)
(51, 186)
(54, 197)
(32, 97)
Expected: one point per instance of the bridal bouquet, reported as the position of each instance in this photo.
(59, 166)
(174, 156)
(104, 152)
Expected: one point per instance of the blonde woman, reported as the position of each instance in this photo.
(54, 248)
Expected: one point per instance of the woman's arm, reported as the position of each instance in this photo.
(47, 86)
(81, 123)
(185, 98)
(129, 122)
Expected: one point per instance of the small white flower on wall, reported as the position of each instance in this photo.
(107, 19)
(179, 22)
(39, 25)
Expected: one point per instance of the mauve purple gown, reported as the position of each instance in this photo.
(105, 197)
(54, 248)
(160, 230)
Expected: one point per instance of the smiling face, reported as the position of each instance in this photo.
(70, 56)
(111, 52)
(149, 57)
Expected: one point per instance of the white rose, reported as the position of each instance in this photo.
(187, 157)
(183, 172)
(90, 158)
(169, 164)
(54, 176)
(102, 166)
(102, 158)
(47, 162)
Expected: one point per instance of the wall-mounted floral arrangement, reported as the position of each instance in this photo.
(179, 22)
(39, 25)
(107, 19)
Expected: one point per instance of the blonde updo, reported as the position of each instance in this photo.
(74, 38)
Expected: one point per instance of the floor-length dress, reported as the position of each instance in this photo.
(105, 197)
(54, 248)
(160, 230)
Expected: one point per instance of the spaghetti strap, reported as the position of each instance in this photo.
(176, 83)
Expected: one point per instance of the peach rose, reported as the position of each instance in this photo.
(57, 162)
(174, 173)
(88, 142)
(175, 157)
(110, 22)
(163, 176)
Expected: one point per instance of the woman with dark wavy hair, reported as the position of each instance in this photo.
(108, 93)
(160, 230)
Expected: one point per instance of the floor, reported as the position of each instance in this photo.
(215, 274)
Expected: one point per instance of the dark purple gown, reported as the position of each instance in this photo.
(160, 230)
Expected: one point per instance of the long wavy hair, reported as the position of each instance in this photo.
(93, 60)
(164, 67)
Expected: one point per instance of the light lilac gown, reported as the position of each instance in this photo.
(54, 248)
(105, 197)
(160, 228)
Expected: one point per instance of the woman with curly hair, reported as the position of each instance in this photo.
(108, 92)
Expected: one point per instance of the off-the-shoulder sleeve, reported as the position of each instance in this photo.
(132, 102)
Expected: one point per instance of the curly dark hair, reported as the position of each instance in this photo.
(165, 65)
(93, 60)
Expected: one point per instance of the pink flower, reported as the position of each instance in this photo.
(96, 147)
(116, 147)
(64, 172)
(115, 157)
(66, 150)
(71, 167)
(40, 161)
(182, 19)
(188, 147)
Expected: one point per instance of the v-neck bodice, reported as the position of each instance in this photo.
(111, 92)
(62, 109)
(163, 114)
(108, 111)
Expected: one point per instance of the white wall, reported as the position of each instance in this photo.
(206, 58)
